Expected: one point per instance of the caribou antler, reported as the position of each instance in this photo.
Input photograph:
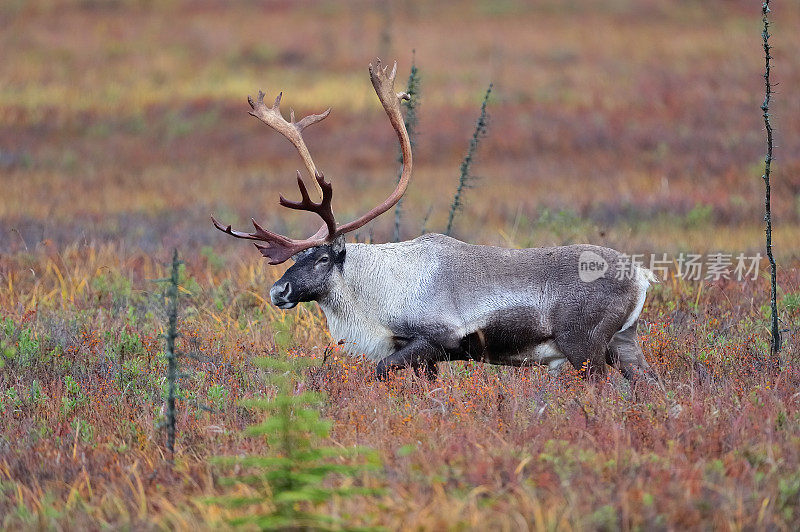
(292, 130)
(280, 248)
(383, 82)
(323, 208)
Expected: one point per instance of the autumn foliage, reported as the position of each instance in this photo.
(634, 125)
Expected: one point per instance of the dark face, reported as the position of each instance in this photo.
(308, 278)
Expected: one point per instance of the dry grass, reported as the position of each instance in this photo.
(628, 124)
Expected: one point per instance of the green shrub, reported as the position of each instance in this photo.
(73, 397)
(291, 479)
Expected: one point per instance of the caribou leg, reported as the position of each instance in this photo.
(418, 354)
(584, 351)
(625, 354)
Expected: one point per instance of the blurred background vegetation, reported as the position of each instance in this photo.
(633, 124)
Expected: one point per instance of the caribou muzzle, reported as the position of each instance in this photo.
(280, 293)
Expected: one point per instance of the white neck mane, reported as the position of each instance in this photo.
(377, 284)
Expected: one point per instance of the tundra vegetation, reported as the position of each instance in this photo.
(122, 127)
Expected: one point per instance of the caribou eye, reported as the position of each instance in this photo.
(322, 260)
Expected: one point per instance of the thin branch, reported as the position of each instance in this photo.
(424, 228)
(776, 333)
(172, 356)
(465, 179)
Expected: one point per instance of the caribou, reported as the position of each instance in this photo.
(434, 299)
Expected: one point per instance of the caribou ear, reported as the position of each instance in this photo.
(337, 246)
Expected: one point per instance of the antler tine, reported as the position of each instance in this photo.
(383, 82)
(260, 234)
(305, 202)
(238, 234)
(322, 209)
(311, 119)
(278, 248)
(291, 130)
